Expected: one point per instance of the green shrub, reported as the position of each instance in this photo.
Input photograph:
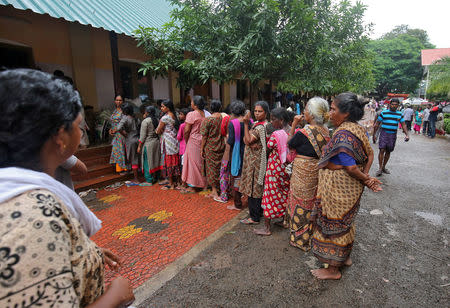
(447, 125)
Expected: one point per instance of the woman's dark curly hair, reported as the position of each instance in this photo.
(35, 105)
(280, 113)
(351, 103)
(237, 108)
(199, 101)
(215, 105)
(151, 111)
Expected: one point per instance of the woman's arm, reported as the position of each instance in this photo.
(372, 183)
(297, 119)
(119, 294)
(187, 131)
(160, 128)
(368, 163)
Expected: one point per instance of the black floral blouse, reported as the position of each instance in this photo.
(46, 260)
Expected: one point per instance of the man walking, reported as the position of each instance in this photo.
(388, 120)
(408, 115)
(426, 122)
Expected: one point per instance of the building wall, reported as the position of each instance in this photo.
(81, 52)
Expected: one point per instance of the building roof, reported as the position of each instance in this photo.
(120, 16)
(429, 56)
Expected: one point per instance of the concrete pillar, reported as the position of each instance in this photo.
(83, 63)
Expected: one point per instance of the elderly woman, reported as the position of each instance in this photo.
(46, 256)
(276, 181)
(344, 171)
(193, 162)
(307, 144)
(118, 143)
(149, 146)
(213, 146)
(255, 161)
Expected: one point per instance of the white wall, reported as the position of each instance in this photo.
(104, 81)
(233, 91)
(161, 88)
(215, 90)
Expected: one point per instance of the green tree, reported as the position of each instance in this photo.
(304, 45)
(397, 64)
(439, 80)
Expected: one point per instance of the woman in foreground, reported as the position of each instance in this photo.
(307, 144)
(344, 171)
(47, 258)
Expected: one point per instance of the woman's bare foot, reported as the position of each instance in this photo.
(232, 207)
(331, 273)
(262, 231)
(348, 262)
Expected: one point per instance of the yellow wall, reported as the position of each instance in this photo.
(48, 36)
(129, 50)
(81, 51)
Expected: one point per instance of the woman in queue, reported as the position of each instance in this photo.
(212, 147)
(128, 128)
(307, 144)
(168, 128)
(344, 172)
(192, 173)
(276, 181)
(236, 145)
(118, 142)
(47, 258)
(255, 161)
(149, 146)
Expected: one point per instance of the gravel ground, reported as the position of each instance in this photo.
(401, 256)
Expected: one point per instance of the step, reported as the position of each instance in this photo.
(87, 154)
(97, 160)
(101, 181)
(94, 171)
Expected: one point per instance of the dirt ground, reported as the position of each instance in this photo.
(401, 253)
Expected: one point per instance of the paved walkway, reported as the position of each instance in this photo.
(150, 228)
(400, 254)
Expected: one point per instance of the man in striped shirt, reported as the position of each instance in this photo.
(388, 120)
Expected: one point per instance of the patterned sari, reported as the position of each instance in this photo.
(118, 143)
(302, 194)
(338, 196)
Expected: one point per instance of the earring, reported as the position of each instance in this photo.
(64, 146)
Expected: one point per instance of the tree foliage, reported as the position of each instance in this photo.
(304, 45)
(439, 80)
(397, 64)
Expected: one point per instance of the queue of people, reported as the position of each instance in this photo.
(285, 170)
(312, 182)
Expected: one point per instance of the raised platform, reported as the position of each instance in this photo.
(100, 172)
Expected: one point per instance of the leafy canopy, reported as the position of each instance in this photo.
(304, 45)
(439, 80)
(397, 64)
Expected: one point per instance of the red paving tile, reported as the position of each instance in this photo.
(177, 223)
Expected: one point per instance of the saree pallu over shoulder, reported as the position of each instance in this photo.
(349, 138)
(338, 197)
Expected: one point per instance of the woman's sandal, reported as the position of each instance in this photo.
(186, 191)
(218, 199)
(166, 187)
(249, 221)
